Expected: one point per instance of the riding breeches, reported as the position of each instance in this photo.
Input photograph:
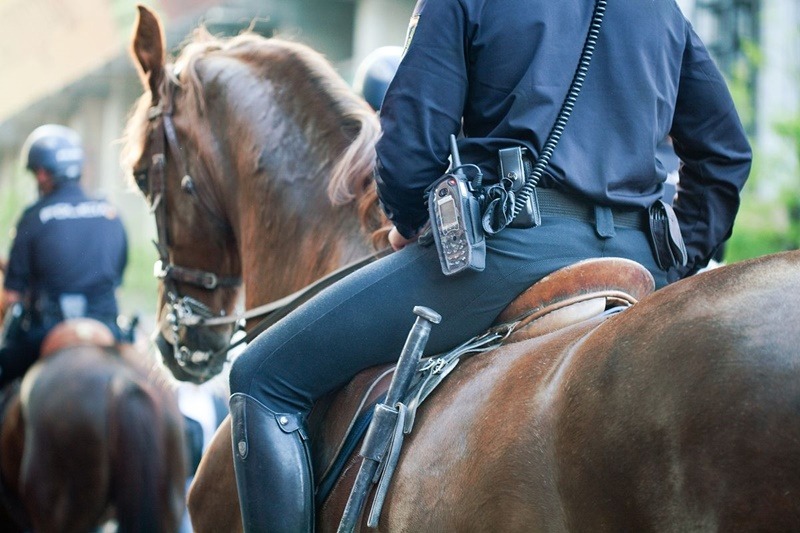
(363, 320)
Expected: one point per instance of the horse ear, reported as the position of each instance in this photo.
(147, 49)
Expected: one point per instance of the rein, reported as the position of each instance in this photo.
(296, 298)
(274, 311)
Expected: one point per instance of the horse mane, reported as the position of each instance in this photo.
(351, 170)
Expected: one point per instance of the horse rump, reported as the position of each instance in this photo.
(146, 443)
(102, 441)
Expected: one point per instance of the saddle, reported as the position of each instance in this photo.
(576, 293)
(568, 296)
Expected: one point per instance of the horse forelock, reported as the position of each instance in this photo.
(134, 133)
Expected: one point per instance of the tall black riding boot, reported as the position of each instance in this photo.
(273, 470)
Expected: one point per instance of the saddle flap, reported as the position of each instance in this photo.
(620, 281)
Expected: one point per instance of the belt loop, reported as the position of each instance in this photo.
(604, 221)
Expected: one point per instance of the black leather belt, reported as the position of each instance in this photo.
(555, 203)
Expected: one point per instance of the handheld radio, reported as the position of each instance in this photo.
(455, 220)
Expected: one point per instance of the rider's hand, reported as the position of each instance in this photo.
(397, 241)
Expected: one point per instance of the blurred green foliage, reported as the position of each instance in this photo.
(139, 290)
(769, 216)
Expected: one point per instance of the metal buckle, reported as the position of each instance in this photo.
(209, 280)
(159, 160)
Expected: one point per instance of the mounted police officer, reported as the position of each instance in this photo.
(68, 255)
(498, 71)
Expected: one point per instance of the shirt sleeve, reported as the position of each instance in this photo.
(715, 154)
(18, 271)
(422, 108)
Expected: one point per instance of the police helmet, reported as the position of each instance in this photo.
(57, 149)
(375, 73)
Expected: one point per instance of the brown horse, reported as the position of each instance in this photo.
(680, 413)
(247, 77)
(90, 437)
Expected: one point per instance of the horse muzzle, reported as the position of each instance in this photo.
(192, 351)
(185, 364)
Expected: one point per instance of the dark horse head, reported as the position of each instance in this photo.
(229, 130)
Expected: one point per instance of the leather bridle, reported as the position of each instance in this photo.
(181, 310)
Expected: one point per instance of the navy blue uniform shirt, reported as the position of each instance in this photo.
(69, 243)
(500, 69)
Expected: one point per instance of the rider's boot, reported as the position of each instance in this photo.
(273, 470)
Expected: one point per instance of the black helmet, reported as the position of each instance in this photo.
(57, 149)
(376, 72)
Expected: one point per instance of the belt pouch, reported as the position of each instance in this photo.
(665, 235)
(513, 171)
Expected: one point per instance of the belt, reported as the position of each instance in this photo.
(556, 203)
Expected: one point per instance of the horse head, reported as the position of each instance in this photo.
(198, 266)
(245, 143)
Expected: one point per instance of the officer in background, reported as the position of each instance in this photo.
(375, 72)
(68, 255)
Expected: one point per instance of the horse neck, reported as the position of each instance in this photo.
(286, 266)
(282, 255)
(288, 232)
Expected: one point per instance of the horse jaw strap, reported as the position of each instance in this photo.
(192, 276)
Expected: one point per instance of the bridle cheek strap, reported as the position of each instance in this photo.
(164, 139)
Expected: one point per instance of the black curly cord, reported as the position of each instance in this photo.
(566, 108)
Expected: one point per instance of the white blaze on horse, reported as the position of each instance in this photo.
(679, 413)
